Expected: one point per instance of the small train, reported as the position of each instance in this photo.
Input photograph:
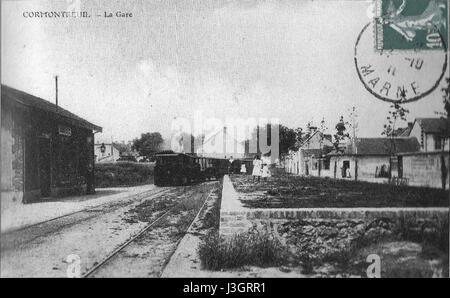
(181, 169)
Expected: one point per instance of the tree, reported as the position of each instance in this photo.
(397, 113)
(288, 138)
(341, 133)
(353, 115)
(148, 144)
(299, 134)
(308, 131)
(322, 130)
(446, 101)
(446, 97)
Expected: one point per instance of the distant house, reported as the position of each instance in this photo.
(47, 151)
(309, 158)
(433, 133)
(132, 155)
(416, 155)
(402, 131)
(106, 153)
(370, 159)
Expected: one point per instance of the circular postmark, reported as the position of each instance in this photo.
(396, 75)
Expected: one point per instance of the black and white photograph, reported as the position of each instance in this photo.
(204, 141)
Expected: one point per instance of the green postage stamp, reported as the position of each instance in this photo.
(411, 24)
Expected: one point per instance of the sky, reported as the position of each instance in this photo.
(291, 60)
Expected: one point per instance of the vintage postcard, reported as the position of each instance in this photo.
(225, 139)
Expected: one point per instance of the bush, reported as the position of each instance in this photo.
(432, 234)
(250, 248)
(123, 174)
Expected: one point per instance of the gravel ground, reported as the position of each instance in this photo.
(42, 250)
(21, 215)
(150, 252)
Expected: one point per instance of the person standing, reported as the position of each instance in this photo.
(230, 166)
(265, 172)
(243, 169)
(257, 164)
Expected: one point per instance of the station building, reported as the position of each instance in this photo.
(46, 151)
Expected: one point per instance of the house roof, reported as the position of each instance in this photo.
(14, 95)
(381, 146)
(434, 125)
(403, 131)
(326, 137)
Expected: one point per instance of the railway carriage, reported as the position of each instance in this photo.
(180, 169)
(237, 164)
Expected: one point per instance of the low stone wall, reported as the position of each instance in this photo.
(328, 230)
(325, 236)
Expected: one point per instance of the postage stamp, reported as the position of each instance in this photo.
(398, 76)
(411, 24)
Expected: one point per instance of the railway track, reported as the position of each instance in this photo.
(19, 237)
(151, 225)
(143, 194)
(120, 248)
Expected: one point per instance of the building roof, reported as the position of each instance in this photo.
(380, 146)
(434, 125)
(403, 131)
(32, 101)
(326, 137)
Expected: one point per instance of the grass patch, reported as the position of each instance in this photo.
(433, 234)
(246, 249)
(406, 253)
(123, 174)
(314, 192)
(146, 211)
